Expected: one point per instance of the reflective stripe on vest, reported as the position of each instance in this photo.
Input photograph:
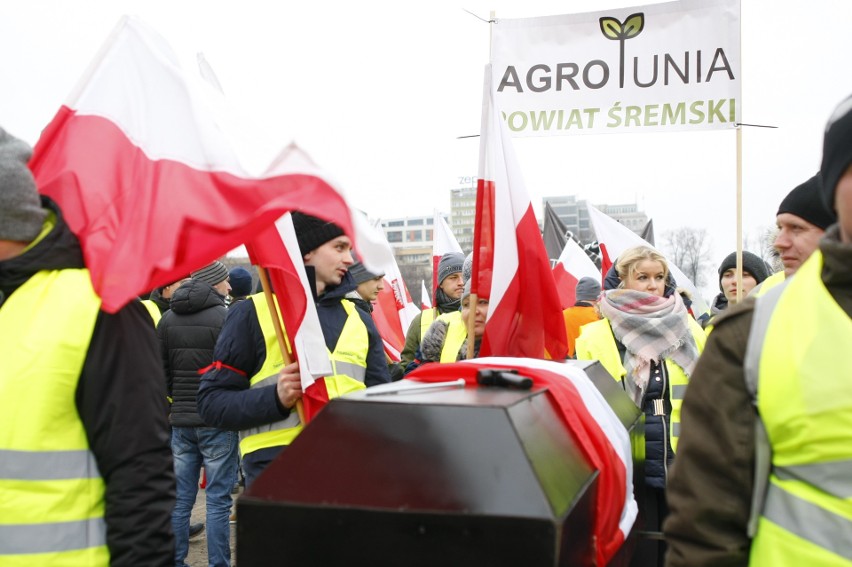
(456, 335)
(280, 432)
(349, 363)
(349, 359)
(597, 342)
(153, 311)
(52, 503)
(804, 398)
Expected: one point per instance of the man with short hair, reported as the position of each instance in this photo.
(250, 390)
(187, 334)
(86, 472)
(447, 300)
(762, 475)
(801, 219)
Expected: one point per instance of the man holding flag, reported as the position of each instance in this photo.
(248, 386)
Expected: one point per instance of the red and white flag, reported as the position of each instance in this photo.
(614, 238)
(393, 309)
(443, 242)
(510, 264)
(573, 265)
(425, 297)
(593, 425)
(146, 178)
(277, 249)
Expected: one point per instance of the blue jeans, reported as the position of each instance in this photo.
(216, 449)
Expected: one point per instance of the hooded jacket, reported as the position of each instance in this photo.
(121, 401)
(187, 334)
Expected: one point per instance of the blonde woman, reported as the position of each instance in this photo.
(649, 342)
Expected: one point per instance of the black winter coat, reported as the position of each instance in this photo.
(121, 400)
(188, 333)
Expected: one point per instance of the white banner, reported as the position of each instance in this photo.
(662, 67)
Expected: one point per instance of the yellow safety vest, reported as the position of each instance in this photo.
(772, 281)
(153, 311)
(51, 493)
(596, 342)
(426, 318)
(349, 366)
(796, 367)
(456, 335)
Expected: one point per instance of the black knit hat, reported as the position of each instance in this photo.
(836, 149)
(21, 215)
(312, 232)
(752, 263)
(240, 282)
(806, 201)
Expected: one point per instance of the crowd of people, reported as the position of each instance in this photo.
(109, 418)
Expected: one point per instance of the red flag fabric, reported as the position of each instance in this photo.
(572, 266)
(393, 309)
(593, 425)
(510, 264)
(443, 242)
(146, 178)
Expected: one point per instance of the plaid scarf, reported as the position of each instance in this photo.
(650, 328)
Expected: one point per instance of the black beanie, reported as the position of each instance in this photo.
(805, 201)
(752, 263)
(836, 150)
(312, 232)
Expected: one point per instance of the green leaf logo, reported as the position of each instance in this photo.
(618, 31)
(621, 32)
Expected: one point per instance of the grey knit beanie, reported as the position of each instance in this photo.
(588, 289)
(450, 263)
(212, 273)
(21, 215)
(752, 263)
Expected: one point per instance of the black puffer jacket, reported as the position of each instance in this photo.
(188, 333)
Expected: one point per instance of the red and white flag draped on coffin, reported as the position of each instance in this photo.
(510, 264)
(147, 179)
(595, 428)
(443, 242)
(393, 309)
(573, 265)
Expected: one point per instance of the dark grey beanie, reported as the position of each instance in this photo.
(588, 289)
(21, 215)
(450, 263)
(806, 201)
(212, 273)
(361, 274)
(752, 263)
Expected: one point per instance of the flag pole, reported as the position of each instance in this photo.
(474, 300)
(739, 214)
(279, 329)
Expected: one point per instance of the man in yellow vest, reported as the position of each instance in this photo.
(85, 467)
(801, 220)
(248, 387)
(447, 300)
(764, 469)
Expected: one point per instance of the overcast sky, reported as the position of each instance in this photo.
(379, 92)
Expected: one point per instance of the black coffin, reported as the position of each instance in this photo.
(472, 476)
